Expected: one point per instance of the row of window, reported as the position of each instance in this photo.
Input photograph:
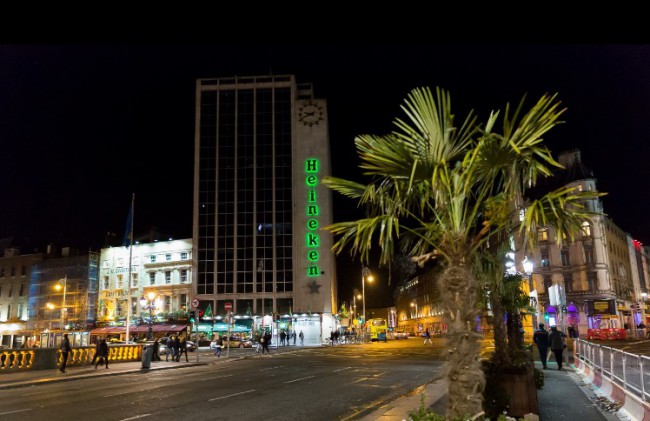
(8, 315)
(545, 260)
(592, 283)
(153, 258)
(152, 279)
(12, 271)
(10, 290)
(542, 233)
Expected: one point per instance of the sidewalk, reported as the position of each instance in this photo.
(564, 397)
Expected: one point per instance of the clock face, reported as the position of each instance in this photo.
(310, 113)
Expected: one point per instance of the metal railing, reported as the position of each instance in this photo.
(630, 371)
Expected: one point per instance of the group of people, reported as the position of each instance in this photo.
(176, 346)
(555, 340)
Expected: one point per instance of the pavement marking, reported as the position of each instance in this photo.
(271, 368)
(341, 369)
(13, 412)
(360, 380)
(230, 396)
(136, 417)
(217, 377)
(379, 374)
(117, 394)
(297, 380)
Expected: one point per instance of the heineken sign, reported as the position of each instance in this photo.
(312, 240)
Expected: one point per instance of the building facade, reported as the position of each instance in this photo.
(163, 268)
(15, 274)
(261, 149)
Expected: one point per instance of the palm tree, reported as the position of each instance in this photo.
(441, 190)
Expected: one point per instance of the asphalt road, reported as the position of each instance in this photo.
(329, 383)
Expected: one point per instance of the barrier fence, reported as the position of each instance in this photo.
(629, 371)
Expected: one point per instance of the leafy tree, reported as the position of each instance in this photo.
(441, 190)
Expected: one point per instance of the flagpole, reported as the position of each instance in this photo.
(128, 303)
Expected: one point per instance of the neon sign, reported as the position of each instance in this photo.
(312, 240)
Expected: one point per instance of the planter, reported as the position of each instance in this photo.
(519, 385)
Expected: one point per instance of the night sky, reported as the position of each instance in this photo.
(82, 127)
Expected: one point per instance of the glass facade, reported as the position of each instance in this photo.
(244, 239)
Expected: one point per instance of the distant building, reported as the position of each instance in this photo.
(15, 275)
(261, 150)
(162, 267)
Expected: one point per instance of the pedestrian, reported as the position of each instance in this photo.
(540, 337)
(156, 349)
(427, 336)
(65, 350)
(302, 338)
(293, 335)
(170, 348)
(102, 353)
(282, 337)
(177, 349)
(217, 346)
(182, 349)
(557, 342)
(332, 337)
(266, 339)
(99, 341)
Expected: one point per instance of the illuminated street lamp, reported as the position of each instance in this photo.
(62, 284)
(365, 273)
(50, 307)
(148, 303)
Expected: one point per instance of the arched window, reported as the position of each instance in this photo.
(586, 229)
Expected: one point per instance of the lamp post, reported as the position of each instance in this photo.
(148, 303)
(63, 283)
(532, 293)
(365, 273)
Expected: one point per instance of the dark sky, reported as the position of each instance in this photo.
(82, 127)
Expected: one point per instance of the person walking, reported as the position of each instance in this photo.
(302, 338)
(170, 349)
(102, 353)
(99, 341)
(182, 349)
(177, 349)
(540, 337)
(156, 349)
(266, 338)
(427, 337)
(217, 346)
(293, 335)
(65, 350)
(556, 340)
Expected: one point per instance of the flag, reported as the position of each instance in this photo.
(290, 313)
(128, 232)
(208, 312)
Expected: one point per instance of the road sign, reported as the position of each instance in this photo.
(227, 306)
(195, 303)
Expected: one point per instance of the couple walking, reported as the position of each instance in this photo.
(554, 339)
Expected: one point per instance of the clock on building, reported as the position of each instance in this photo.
(310, 113)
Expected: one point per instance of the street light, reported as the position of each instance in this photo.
(148, 303)
(355, 296)
(365, 273)
(58, 287)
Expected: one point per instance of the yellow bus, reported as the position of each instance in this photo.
(377, 329)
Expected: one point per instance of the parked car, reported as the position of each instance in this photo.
(235, 342)
(400, 334)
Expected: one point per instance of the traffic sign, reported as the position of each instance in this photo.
(195, 303)
(227, 306)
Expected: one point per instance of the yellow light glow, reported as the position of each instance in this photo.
(50, 306)
(58, 287)
(370, 278)
(151, 295)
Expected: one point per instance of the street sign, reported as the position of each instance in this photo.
(195, 303)
(227, 306)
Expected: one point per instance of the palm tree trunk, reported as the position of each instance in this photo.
(459, 289)
(501, 356)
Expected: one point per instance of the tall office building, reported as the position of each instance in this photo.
(261, 150)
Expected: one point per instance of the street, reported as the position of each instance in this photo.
(328, 383)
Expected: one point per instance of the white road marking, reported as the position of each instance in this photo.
(297, 380)
(217, 377)
(341, 369)
(117, 394)
(271, 368)
(13, 412)
(230, 396)
(379, 374)
(136, 417)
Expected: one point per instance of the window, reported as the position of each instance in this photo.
(184, 255)
(548, 282)
(568, 285)
(20, 311)
(183, 275)
(592, 281)
(586, 229)
(13, 271)
(565, 257)
(542, 234)
(22, 289)
(152, 278)
(23, 270)
(134, 277)
(0, 291)
(184, 301)
(9, 311)
(168, 257)
(2, 272)
(168, 276)
(589, 255)
(152, 258)
(105, 282)
(11, 290)
(545, 260)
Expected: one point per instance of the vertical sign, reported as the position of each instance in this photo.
(312, 240)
